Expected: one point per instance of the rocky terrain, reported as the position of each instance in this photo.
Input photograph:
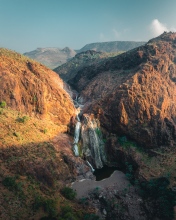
(31, 88)
(122, 115)
(70, 69)
(111, 47)
(54, 57)
(36, 157)
(51, 57)
(132, 96)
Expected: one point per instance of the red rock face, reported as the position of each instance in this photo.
(31, 88)
(134, 94)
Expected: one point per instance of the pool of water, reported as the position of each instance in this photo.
(104, 172)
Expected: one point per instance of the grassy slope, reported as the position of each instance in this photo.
(32, 170)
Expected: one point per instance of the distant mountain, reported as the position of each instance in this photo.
(51, 57)
(113, 46)
(84, 59)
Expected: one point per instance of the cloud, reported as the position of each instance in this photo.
(157, 28)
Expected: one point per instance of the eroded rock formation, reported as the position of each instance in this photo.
(133, 94)
(31, 88)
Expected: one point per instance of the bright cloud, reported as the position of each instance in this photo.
(157, 28)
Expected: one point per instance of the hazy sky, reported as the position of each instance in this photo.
(28, 24)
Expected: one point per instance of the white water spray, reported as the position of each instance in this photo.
(90, 166)
(77, 132)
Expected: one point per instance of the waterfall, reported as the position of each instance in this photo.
(93, 145)
(77, 129)
(77, 132)
(92, 140)
(76, 138)
(90, 166)
(75, 150)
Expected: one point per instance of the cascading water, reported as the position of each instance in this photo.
(93, 170)
(76, 138)
(77, 129)
(93, 145)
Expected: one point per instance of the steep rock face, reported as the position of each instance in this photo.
(134, 93)
(32, 88)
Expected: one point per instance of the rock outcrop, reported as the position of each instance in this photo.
(32, 88)
(133, 94)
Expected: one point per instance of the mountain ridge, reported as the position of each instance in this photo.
(54, 57)
(51, 56)
(111, 46)
(133, 97)
(80, 60)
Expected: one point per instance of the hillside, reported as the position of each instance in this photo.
(111, 47)
(55, 57)
(36, 158)
(31, 88)
(36, 164)
(125, 119)
(51, 57)
(133, 97)
(84, 59)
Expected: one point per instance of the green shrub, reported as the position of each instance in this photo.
(45, 131)
(9, 182)
(90, 216)
(23, 119)
(84, 201)
(49, 205)
(67, 213)
(98, 131)
(2, 104)
(13, 185)
(157, 191)
(68, 193)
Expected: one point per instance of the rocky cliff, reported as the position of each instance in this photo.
(133, 94)
(31, 88)
(36, 157)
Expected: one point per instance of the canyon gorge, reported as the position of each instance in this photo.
(110, 112)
